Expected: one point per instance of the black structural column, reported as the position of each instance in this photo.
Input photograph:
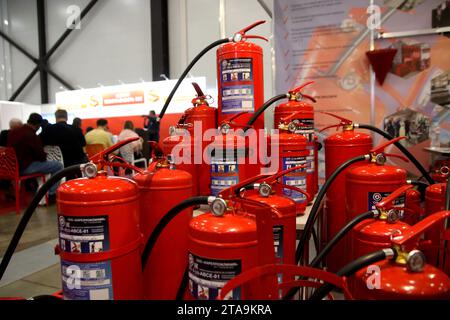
(43, 75)
(44, 55)
(160, 38)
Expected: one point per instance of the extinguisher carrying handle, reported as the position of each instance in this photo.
(291, 117)
(236, 189)
(309, 198)
(103, 155)
(263, 178)
(243, 31)
(342, 121)
(123, 164)
(201, 97)
(410, 236)
(298, 95)
(388, 201)
(380, 148)
(404, 150)
(255, 37)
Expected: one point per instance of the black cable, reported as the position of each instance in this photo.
(314, 211)
(332, 243)
(315, 240)
(405, 151)
(165, 220)
(186, 71)
(29, 212)
(350, 269)
(261, 109)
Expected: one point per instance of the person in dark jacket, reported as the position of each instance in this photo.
(13, 123)
(76, 125)
(66, 138)
(29, 152)
(152, 126)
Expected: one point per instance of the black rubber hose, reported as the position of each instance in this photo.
(186, 71)
(261, 109)
(314, 210)
(332, 243)
(165, 221)
(250, 186)
(405, 151)
(29, 212)
(350, 269)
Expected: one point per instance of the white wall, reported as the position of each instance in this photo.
(114, 43)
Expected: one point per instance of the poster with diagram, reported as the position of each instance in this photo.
(326, 41)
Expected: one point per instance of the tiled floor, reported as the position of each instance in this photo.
(41, 228)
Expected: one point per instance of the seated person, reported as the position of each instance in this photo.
(29, 151)
(100, 135)
(13, 123)
(66, 138)
(133, 148)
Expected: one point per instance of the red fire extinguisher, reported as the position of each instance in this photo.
(408, 276)
(434, 202)
(299, 105)
(340, 147)
(240, 77)
(369, 184)
(99, 236)
(188, 135)
(294, 151)
(234, 156)
(235, 236)
(375, 234)
(162, 186)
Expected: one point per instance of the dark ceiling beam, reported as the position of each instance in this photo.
(160, 38)
(42, 62)
(42, 41)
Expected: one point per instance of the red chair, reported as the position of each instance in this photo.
(9, 170)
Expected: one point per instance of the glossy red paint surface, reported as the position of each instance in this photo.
(340, 147)
(247, 50)
(160, 190)
(117, 199)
